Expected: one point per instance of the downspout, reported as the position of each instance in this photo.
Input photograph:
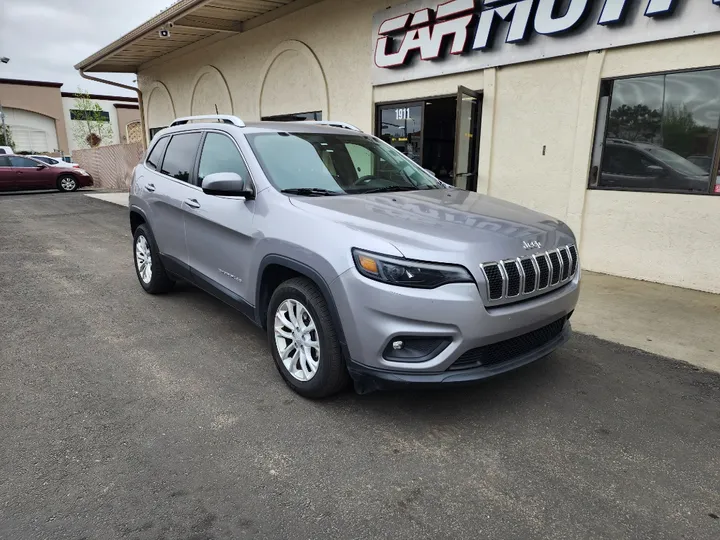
(126, 87)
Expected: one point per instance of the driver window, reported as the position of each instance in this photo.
(219, 154)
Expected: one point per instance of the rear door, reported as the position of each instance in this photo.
(219, 230)
(7, 174)
(33, 174)
(167, 188)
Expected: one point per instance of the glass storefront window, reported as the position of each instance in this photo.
(661, 133)
(401, 126)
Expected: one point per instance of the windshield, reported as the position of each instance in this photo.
(336, 164)
(675, 161)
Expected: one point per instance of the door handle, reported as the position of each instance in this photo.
(150, 187)
(192, 203)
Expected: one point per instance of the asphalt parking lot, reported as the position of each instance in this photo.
(129, 416)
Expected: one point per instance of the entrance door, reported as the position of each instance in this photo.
(467, 139)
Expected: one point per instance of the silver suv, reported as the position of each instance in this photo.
(358, 263)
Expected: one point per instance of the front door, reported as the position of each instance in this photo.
(32, 174)
(219, 230)
(467, 139)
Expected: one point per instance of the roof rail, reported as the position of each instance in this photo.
(330, 123)
(223, 118)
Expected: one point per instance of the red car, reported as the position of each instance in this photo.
(20, 173)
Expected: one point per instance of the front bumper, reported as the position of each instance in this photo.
(374, 314)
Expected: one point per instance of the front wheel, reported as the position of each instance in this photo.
(67, 183)
(304, 341)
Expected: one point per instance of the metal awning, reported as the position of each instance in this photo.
(191, 24)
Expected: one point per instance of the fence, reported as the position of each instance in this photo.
(110, 166)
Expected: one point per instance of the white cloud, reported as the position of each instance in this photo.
(44, 39)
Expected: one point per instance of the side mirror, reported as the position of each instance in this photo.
(655, 170)
(430, 172)
(41, 167)
(227, 184)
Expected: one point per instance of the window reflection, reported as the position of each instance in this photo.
(401, 126)
(662, 132)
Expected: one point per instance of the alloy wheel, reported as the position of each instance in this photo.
(143, 259)
(68, 184)
(297, 340)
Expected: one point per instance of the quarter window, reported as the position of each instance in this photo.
(220, 154)
(180, 156)
(659, 132)
(155, 158)
(4, 162)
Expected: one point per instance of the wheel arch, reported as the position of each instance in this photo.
(137, 218)
(285, 267)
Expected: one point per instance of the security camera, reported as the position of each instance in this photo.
(4, 59)
(164, 33)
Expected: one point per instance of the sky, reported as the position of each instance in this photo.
(44, 39)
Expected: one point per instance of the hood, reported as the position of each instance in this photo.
(443, 224)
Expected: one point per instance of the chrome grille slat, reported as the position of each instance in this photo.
(527, 276)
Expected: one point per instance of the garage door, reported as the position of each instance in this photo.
(30, 140)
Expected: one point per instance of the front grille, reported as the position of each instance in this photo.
(574, 255)
(519, 277)
(565, 263)
(530, 275)
(513, 277)
(555, 263)
(510, 349)
(495, 281)
(544, 267)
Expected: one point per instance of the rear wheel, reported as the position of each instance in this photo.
(149, 268)
(67, 183)
(303, 340)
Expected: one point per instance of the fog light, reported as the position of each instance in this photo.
(415, 349)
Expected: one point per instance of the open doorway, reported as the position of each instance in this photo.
(441, 134)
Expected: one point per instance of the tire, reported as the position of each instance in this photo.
(330, 375)
(67, 183)
(152, 278)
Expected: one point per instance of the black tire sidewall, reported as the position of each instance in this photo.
(59, 183)
(316, 386)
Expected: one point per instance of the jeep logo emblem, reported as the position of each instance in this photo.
(532, 245)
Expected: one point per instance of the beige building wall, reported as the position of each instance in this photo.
(537, 131)
(45, 100)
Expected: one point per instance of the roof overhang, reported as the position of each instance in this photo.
(191, 24)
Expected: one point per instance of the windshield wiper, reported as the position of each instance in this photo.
(311, 192)
(390, 189)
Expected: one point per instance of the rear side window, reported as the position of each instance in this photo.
(155, 157)
(180, 156)
(4, 162)
(221, 155)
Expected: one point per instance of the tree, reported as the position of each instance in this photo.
(9, 142)
(684, 135)
(91, 125)
(637, 123)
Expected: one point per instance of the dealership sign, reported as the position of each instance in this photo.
(427, 38)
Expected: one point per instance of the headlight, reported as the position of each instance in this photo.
(406, 273)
